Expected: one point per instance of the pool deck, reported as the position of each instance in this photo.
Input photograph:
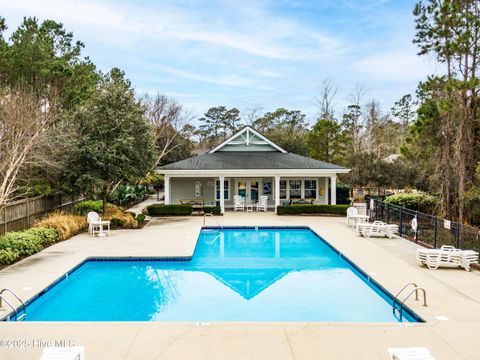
(452, 293)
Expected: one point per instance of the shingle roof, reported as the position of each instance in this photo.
(249, 160)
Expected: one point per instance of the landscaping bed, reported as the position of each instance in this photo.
(333, 210)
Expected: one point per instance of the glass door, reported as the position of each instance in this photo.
(242, 188)
(254, 191)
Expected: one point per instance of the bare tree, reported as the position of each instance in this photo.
(327, 91)
(168, 120)
(251, 114)
(25, 122)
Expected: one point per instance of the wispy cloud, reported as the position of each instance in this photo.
(232, 52)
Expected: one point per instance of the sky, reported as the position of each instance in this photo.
(246, 53)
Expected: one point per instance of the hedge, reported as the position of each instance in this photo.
(414, 201)
(312, 209)
(14, 245)
(84, 207)
(162, 210)
(215, 210)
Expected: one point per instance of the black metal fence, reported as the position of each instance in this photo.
(431, 231)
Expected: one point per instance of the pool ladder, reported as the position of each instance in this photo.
(213, 217)
(401, 304)
(15, 311)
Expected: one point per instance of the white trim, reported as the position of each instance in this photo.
(255, 172)
(333, 184)
(248, 130)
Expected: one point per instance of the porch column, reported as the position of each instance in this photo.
(333, 180)
(325, 189)
(166, 189)
(277, 192)
(222, 193)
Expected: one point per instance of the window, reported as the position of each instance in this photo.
(267, 187)
(310, 189)
(283, 189)
(295, 189)
(226, 192)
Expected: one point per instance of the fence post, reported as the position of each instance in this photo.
(388, 212)
(28, 211)
(416, 230)
(435, 224)
(400, 230)
(376, 208)
(5, 218)
(457, 236)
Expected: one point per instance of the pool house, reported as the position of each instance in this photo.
(250, 165)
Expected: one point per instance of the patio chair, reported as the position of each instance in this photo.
(411, 353)
(447, 255)
(351, 212)
(377, 228)
(65, 353)
(238, 203)
(94, 222)
(262, 204)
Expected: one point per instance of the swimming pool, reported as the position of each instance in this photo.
(238, 274)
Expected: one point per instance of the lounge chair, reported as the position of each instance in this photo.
(434, 258)
(377, 228)
(262, 204)
(64, 353)
(238, 203)
(411, 353)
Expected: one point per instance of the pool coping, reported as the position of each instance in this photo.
(366, 278)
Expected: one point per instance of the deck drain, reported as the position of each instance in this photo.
(441, 318)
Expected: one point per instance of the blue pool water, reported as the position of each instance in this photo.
(234, 275)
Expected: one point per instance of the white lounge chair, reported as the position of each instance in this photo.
(64, 353)
(238, 203)
(411, 353)
(262, 204)
(377, 228)
(434, 258)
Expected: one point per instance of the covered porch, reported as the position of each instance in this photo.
(219, 190)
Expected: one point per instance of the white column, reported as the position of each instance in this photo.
(333, 180)
(166, 188)
(277, 192)
(222, 193)
(325, 189)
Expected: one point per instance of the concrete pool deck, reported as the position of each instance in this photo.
(452, 293)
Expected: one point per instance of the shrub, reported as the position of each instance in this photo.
(343, 194)
(46, 235)
(66, 225)
(22, 242)
(140, 218)
(215, 210)
(312, 209)
(127, 194)
(8, 256)
(117, 223)
(414, 201)
(162, 210)
(84, 207)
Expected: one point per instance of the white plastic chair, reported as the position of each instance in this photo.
(411, 353)
(262, 204)
(238, 203)
(64, 353)
(351, 212)
(93, 220)
(434, 258)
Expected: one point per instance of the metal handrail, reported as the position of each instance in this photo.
(395, 298)
(9, 304)
(16, 296)
(409, 294)
(213, 217)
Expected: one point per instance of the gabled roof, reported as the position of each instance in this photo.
(247, 136)
(249, 160)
